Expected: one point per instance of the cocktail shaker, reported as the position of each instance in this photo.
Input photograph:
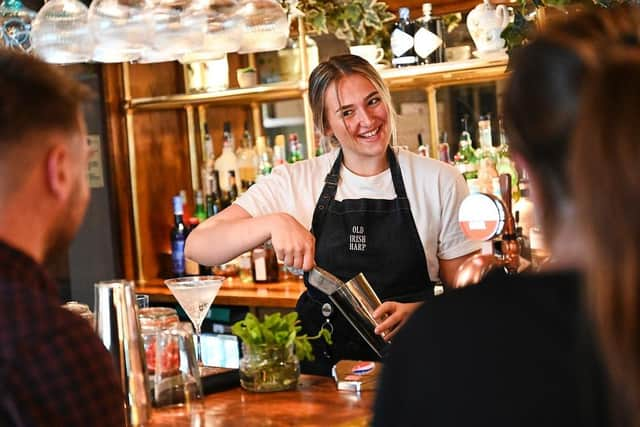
(118, 327)
(355, 299)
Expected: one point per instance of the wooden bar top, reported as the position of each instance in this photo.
(282, 294)
(316, 402)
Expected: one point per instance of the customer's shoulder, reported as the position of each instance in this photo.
(500, 295)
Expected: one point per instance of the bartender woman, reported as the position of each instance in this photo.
(364, 207)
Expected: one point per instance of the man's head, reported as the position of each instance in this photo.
(43, 151)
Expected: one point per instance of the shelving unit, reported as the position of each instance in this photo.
(427, 77)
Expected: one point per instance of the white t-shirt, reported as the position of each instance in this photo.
(434, 189)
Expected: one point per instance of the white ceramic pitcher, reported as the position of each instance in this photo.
(485, 24)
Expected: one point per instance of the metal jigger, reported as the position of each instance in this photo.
(118, 327)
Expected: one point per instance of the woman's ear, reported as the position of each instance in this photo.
(58, 173)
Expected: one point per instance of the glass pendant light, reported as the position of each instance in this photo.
(122, 29)
(15, 20)
(223, 32)
(61, 32)
(265, 28)
(178, 27)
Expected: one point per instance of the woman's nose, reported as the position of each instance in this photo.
(365, 117)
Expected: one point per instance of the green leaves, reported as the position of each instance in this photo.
(356, 21)
(277, 330)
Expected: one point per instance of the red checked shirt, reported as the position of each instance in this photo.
(54, 370)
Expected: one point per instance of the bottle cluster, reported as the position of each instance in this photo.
(223, 179)
(417, 42)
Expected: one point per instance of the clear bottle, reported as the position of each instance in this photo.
(279, 151)
(227, 160)
(486, 149)
(402, 40)
(425, 42)
(16, 20)
(465, 160)
(504, 164)
(247, 160)
(265, 157)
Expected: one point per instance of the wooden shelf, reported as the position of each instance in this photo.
(443, 74)
(263, 93)
(446, 73)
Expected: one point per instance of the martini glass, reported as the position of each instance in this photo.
(195, 295)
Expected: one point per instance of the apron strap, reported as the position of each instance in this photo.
(327, 195)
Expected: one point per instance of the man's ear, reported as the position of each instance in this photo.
(58, 174)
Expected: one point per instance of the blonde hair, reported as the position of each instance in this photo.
(334, 69)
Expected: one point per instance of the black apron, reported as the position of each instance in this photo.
(376, 237)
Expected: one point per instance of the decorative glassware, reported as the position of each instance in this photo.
(16, 20)
(223, 32)
(269, 368)
(122, 28)
(61, 32)
(265, 28)
(195, 294)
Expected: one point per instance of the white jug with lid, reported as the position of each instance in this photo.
(485, 24)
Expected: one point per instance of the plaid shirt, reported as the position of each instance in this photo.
(54, 370)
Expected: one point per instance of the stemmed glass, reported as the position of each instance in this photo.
(195, 294)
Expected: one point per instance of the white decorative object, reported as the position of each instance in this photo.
(485, 24)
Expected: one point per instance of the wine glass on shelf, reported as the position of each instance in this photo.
(195, 294)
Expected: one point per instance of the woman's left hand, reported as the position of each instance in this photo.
(392, 315)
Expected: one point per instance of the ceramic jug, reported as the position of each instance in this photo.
(485, 24)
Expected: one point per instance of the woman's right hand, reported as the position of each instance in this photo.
(294, 244)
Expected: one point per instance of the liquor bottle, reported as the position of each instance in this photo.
(402, 40)
(425, 42)
(486, 149)
(247, 160)
(437, 27)
(209, 163)
(213, 200)
(265, 157)
(227, 160)
(178, 236)
(279, 151)
(201, 211)
(186, 208)
(295, 148)
(423, 150)
(504, 164)
(465, 159)
(443, 149)
(264, 264)
(15, 25)
(233, 188)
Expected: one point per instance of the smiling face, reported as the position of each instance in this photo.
(359, 119)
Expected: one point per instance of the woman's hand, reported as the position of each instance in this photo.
(392, 315)
(293, 243)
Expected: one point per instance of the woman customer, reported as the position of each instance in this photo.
(561, 347)
(366, 207)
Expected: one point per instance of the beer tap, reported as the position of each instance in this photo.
(485, 217)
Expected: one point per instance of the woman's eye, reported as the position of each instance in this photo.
(347, 113)
(374, 101)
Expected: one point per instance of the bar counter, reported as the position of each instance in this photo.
(282, 294)
(316, 402)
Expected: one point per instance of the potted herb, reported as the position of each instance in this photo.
(246, 77)
(271, 351)
(358, 22)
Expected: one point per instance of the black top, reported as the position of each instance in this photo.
(511, 351)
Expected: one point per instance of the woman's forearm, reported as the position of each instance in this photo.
(227, 235)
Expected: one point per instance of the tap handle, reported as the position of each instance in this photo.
(505, 193)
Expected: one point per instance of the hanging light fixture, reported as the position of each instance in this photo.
(122, 29)
(223, 32)
(265, 28)
(61, 34)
